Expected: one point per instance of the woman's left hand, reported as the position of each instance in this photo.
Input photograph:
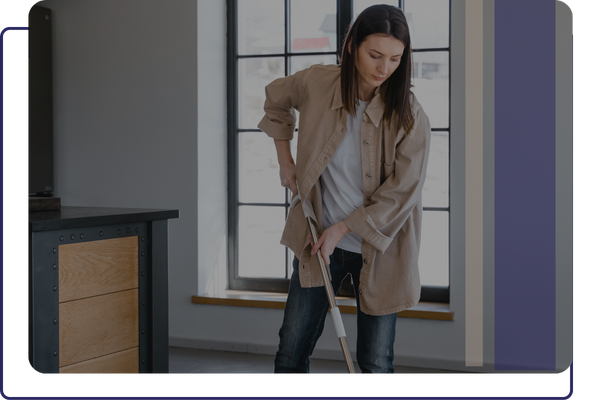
(329, 240)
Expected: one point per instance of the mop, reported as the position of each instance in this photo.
(335, 311)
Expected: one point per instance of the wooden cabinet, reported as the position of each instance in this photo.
(98, 305)
(98, 290)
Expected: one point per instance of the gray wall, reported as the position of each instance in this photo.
(140, 98)
(141, 120)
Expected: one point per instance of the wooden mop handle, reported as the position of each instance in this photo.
(335, 311)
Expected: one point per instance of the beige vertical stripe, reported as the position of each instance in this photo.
(474, 184)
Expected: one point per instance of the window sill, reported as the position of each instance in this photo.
(347, 305)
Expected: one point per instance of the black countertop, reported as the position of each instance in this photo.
(76, 217)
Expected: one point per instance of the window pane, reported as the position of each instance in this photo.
(433, 258)
(294, 151)
(261, 27)
(298, 63)
(254, 75)
(428, 22)
(294, 142)
(360, 5)
(435, 190)
(313, 26)
(260, 254)
(290, 266)
(258, 169)
(431, 86)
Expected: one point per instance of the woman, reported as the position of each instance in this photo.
(363, 144)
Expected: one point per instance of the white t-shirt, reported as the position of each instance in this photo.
(341, 181)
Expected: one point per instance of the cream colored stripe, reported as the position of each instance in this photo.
(474, 184)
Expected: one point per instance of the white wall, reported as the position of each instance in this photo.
(140, 120)
(212, 145)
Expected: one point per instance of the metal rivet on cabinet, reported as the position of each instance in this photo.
(81, 236)
(101, 233)
(62, 238)
(55, 353)
(53, 266)
(55, 321)
(119, 232)
(72, 237)
(54, 288)
(137, 230)
(54, 250)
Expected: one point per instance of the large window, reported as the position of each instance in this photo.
(268, 39)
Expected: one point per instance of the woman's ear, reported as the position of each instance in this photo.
(350, 45)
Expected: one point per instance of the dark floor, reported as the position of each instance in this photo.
(182, 360)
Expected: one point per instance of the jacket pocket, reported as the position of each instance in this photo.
(386, 170)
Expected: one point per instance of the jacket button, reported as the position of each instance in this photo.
(369, 176)
(367, 143)
(365, 261)
(369, 198)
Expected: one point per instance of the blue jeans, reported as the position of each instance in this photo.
(304, 318)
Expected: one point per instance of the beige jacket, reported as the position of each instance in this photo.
(394, 165)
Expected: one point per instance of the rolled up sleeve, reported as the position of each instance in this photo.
(283, 95)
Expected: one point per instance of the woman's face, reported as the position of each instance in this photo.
(377, 59)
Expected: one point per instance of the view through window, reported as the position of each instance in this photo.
(276, 38)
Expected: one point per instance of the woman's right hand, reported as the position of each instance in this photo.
(287, 175)
(287, 167)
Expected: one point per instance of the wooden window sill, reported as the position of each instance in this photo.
(347, 305)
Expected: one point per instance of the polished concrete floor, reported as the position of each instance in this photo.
(183, 360)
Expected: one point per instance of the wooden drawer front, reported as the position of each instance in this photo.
(98, 326)
(93, 268)
(122, 362)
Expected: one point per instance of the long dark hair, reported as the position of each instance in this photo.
(387, 20)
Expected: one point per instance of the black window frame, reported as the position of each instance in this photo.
(429, 293)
